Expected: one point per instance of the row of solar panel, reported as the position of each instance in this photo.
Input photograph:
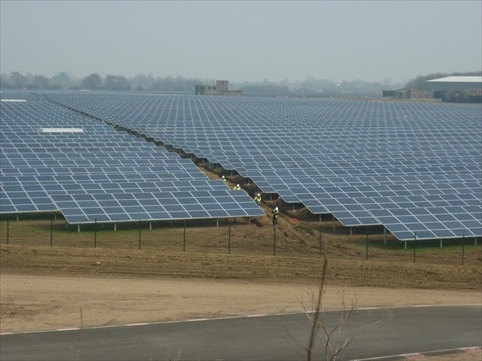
(356, 143)
(40, 169)
(131, 206)
(34, 197)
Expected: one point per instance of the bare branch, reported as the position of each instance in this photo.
(333, 340)
(80, 335)
(318, 305)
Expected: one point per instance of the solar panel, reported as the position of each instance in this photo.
(67, 171)
(371, 157)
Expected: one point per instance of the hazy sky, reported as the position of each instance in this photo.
(242, 40)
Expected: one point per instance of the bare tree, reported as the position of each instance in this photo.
(335, 339)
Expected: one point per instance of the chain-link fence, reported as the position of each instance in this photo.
(238, 236)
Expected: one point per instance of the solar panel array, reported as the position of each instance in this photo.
(413, 167)
(99, 174)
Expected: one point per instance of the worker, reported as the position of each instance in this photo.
(257, 199)
(237, 187)
(223, 178)
(274, 217)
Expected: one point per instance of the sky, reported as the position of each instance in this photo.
(239, 41)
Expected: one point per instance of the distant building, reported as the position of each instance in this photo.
(466, 89)
(450, 88)
(470, 84)
(410, 94)
(221, 88)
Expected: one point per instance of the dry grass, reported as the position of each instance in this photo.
(238, 250)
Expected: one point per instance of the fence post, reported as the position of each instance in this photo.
(274, 241)
(139, 225)
(366, 254)
(229, 239)
(95, 233)
(8, 230)
(184, 237)
(414, 245)
(463, 248)
(51, 229)
(321, 243)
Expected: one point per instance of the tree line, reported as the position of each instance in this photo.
(65, 81)
(147, 82)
